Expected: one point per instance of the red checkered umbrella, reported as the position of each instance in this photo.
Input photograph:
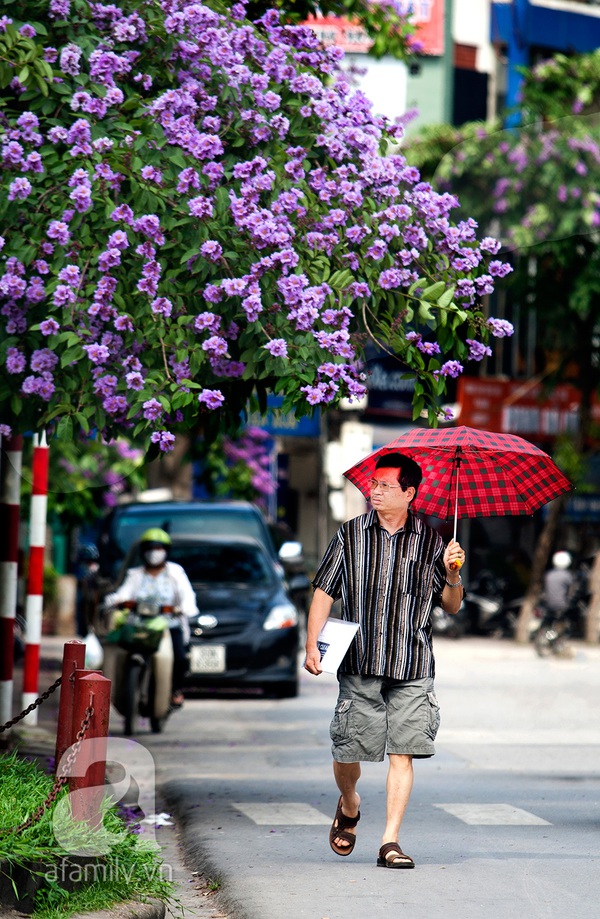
(470, 473)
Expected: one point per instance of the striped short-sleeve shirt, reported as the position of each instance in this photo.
(387, 583)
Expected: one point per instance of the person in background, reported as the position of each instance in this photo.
(387, 567)
(91, 587)
(165, 583)
(558, 582)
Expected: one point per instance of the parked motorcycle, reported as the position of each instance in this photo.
(138, 658)
(446, 624)
(488, 609)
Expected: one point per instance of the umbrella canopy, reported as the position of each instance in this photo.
(471, 473)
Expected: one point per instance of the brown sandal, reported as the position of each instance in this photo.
(340, 824)
(392, 847)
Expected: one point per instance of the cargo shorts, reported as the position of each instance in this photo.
(377, 715)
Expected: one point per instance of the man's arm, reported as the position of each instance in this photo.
(318, 613)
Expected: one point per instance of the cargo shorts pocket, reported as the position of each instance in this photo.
(339, 729)
(433, 716)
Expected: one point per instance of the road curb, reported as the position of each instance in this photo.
(38, 743)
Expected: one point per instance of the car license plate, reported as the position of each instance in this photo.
(207, 659)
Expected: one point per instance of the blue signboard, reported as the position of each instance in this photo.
(285, 424)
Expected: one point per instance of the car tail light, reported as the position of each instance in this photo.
(282, 616)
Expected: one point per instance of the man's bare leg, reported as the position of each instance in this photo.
(399, 787)
(346, 777)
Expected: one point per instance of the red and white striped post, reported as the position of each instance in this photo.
(35, 575)
(10, 497)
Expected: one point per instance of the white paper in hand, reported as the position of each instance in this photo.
(334, 640)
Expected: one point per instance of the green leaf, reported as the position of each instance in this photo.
(71, 356)
(65, 428)
(83, 422)
(432, 292)
(446, 299)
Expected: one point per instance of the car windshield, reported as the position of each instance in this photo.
(187, 523)
(223, 564)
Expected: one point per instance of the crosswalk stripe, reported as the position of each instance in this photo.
(283, 814)
(493, 815)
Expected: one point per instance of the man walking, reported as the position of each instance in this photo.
(386, 567)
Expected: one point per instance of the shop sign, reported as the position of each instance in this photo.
(348, 34)
(284, 424)
(520, 407)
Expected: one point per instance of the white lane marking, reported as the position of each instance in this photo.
(493, 815)
(514, 737)
(283, 814)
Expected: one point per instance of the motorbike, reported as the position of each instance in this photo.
(558, 626)
(488, 611)
(138, 658)
(446, 624)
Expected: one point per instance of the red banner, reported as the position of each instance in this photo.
(519, 407)
(426, 15)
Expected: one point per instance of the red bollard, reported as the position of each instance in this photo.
(87, 772)
(73, 659)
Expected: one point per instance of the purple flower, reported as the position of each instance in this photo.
(449, 369)
(161, 307)
(500, 328)
(211, 250)
(98, 354)
(211, 398)
(477, 350)
(134, 380)
(152, 410)
(19, 188)
(164, 439)
(201, 207)
(49, 327)
(215, 345)
(59, 231)
(43, 359)
(277, 347)
(15, 361)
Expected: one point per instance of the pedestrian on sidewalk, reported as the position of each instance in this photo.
(387, 567)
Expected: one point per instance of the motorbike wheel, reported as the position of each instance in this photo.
(156, 724)
(132, 697)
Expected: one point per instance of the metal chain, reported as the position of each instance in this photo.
(59, 780)
(34, 705)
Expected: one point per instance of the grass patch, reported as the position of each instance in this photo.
(130, 869)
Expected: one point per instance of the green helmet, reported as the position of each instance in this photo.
(155, 535)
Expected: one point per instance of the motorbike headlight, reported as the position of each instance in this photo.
(489, 606)
(282, 616)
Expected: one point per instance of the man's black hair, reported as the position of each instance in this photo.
(409, 472)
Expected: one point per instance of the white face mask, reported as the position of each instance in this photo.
(155, 557)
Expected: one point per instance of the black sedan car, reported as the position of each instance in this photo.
(247, 633)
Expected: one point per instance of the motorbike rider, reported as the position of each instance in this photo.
(557, 583)
(91, 587)
(165, 583)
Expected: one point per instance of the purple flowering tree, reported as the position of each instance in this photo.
(240, 467)
(197, 211)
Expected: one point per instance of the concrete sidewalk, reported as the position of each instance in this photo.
(192, 896)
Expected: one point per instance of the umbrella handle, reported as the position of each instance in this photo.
(456, 502)
(458, 462)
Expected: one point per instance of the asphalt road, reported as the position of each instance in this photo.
(504, 821)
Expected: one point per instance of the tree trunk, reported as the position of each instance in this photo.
(538, 566)
(592, 618)
(173, 470)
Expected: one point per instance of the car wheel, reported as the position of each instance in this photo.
(288, 689)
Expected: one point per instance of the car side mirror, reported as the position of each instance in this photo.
(290, 550)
